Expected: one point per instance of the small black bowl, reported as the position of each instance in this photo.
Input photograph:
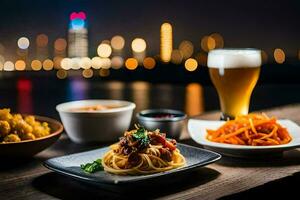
(168, 121)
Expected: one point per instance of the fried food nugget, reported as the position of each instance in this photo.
(5, 114)
(4, 128)
(41, 130)
(12, 138)
(21, 127)
(27, 136)
(15, 128)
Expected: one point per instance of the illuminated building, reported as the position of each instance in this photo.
(78, 35)
(166, 42)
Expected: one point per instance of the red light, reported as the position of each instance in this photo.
(24, 85)
(80, 15)
(73, 16)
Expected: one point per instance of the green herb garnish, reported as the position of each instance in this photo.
(141, 136)
(92, 167)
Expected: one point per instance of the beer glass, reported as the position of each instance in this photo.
(234, 73)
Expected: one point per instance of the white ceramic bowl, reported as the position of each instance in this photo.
(95, 126)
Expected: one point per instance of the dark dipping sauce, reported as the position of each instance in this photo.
(162, 114)
(168, 121)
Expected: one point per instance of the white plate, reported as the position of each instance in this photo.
(197, 130)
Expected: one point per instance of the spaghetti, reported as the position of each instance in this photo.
(252, 129)
(142, 152)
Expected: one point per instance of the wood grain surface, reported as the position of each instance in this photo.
(29, 179)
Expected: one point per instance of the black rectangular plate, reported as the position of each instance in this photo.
(69, 165)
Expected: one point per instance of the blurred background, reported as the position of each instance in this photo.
(151, 52)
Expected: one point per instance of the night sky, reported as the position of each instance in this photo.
(262, 24)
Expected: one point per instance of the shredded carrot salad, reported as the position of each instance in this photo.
(252, 129)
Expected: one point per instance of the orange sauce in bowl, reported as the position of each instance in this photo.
(94, 108)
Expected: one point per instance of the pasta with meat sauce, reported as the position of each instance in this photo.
(142, 152)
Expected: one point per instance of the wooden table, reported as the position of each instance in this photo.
(30, 180)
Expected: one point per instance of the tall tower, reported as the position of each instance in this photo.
(78, 35)
(166, 42)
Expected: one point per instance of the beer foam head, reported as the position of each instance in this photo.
(234, 58)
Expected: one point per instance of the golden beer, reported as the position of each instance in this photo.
(234, 73)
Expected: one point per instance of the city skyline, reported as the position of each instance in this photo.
(204, 18)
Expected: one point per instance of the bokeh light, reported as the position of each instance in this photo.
(176, 57)
(42, 40)
(87, 73)
(96, 62)
(149, 63)
(217, 42)
(85, 63)
(104, 50)
(57, 60)
(131, 63)
(186, 48)
(117, 62)
(264, 56)
(106, 63)
(138, 45)
(166, 42)
(61, 74)
(36, 65)
(279, 56)
(104, 72)
(48, 64)
(191, 64)
(201, 58)
(204, 44)
(8, 66)
(211, 43)
(117, 42)
(20, 65)
(208, 43)
(60, 44)
(76, 63)
(66, 63)
(23, 43)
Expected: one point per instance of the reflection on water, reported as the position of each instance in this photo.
(116, 89)
(78, 89)
(194, 100)
(41, 96)
(144, 95)
(162, 96)
(24, 88)
(140, 94)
